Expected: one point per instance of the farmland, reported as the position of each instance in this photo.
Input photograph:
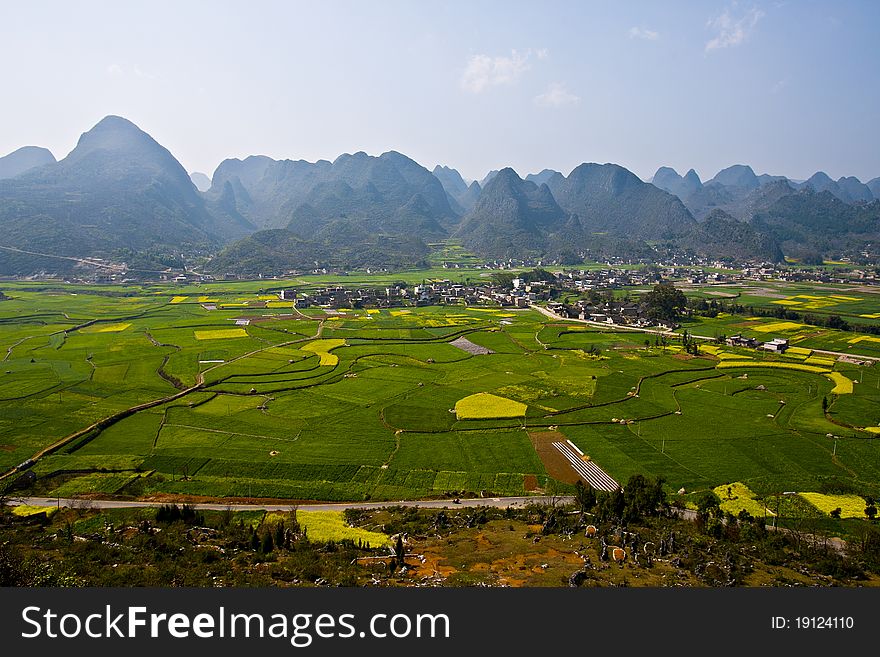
(224, 391)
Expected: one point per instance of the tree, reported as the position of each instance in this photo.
(824, 404)
(664, 302)
(585, 496)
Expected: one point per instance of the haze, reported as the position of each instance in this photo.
(789, 88)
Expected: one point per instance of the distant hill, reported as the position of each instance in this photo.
(461, 196)
(118, 191)
(200, 180)
(738, 175)
(278, 251)
(812, 225)
(541, 177)
(848, 189)
(611, 199)
(121, 195)
(386, 193)
(24, 159)
(513, 217)
(721, 235)
(683, 187)
(489, 176)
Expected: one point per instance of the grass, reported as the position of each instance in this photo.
(484, 405)
(399, 413)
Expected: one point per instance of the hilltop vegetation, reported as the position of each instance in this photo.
(120, 195)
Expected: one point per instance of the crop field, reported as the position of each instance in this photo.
(483, 405)
(799, 335)
(851, 506)
(358, 404)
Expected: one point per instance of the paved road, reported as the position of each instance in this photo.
(499, 502)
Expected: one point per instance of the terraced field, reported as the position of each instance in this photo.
(148, 391)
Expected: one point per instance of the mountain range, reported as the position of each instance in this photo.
(121, 195)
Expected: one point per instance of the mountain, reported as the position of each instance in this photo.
(541, 177)
(24, 159)
(461, 196)
(608, 198)
(874, 186)
(721, 235)
(469, 199)
(848, 189)
(738, 175)
(451, 180)
(117, 192)
(854, 189)
(379, 192)
(512, 218)
(200, 180)
(489, 176)
(766, 179)
(814, 225)
(278, 251)
(683, 187)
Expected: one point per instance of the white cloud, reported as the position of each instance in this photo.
(118, 71)
(779, 86)
(557, 95)
(483, 71)
(732, 31)
(643, 33)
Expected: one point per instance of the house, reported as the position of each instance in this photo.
(777, 345)
(739, 341)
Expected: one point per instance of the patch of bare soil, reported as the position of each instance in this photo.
(555, 463)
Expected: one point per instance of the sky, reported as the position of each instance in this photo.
(786, 87)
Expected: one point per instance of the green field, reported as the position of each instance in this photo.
(376, 404)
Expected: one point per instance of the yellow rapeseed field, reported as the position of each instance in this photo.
(741, 497)
(851, 506)
(323, 526)
(221, 334)
(842, 385)
(775, 327)
(484, 405)
(112, 328)
(785, 366)
(323, 348)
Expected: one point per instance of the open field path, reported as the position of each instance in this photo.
(497, 502)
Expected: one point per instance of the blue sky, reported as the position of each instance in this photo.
(788, 87)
